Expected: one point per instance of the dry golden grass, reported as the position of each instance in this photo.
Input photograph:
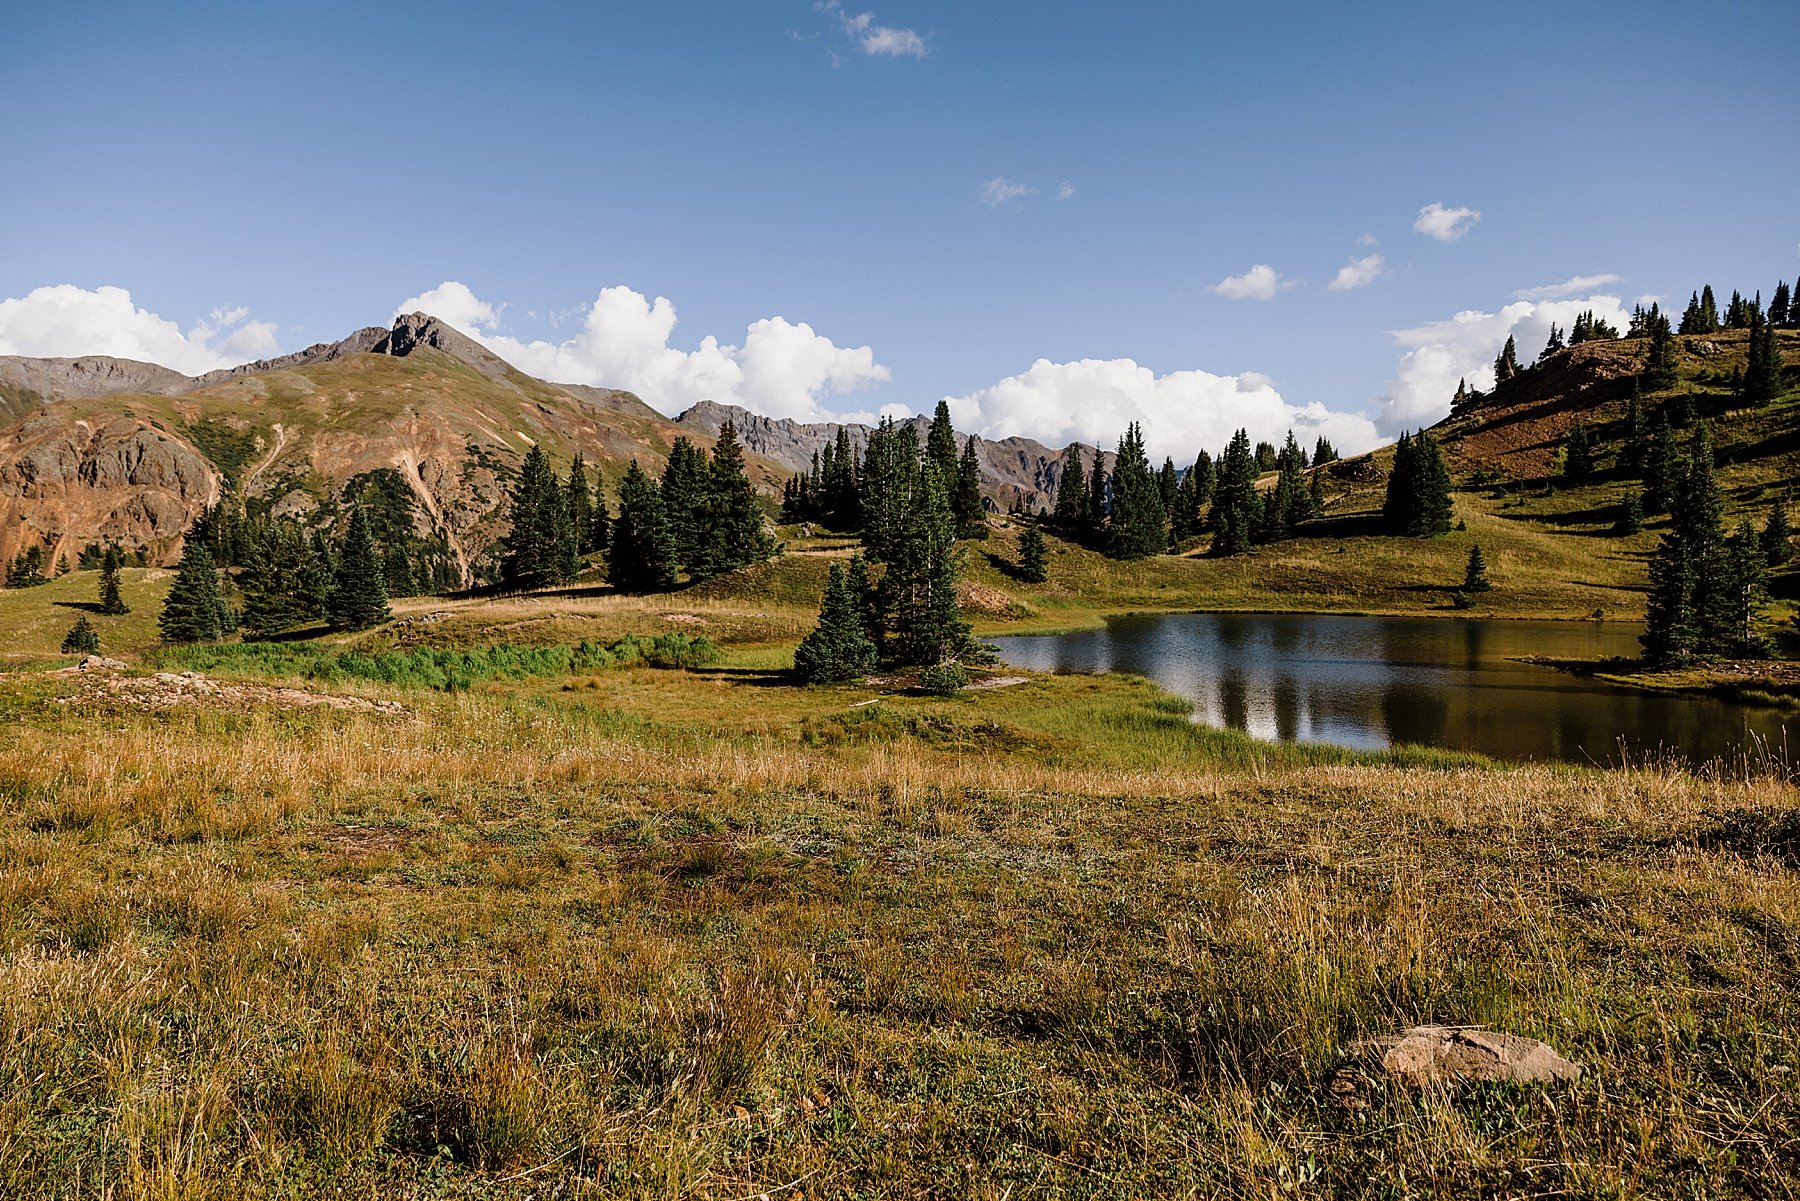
(701, 936)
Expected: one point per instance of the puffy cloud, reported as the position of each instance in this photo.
(453, 302)
(1445, 224)
(999, 190)
(65, 321)
(782, 369)
(1437, 355)
(875, 40)
(1093, 400)
(1570, 287)
(1357, 273)
(1261, 282)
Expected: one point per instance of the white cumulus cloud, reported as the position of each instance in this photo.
(1182, 412)
(1357, 273)
(1000, 190)
(1569, 287)
(64, 321)
(1261, 282)
(1445, 224)
(453, 302)
(1435, 356)
(782, 368)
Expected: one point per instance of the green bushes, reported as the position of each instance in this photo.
(445, 670)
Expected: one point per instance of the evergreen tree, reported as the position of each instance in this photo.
(1475, 578)
(580, 501)
(1777, 535)
(1265, 457)
(1660, 364)
(686, 491)
(1737, 313)
(82, 638)
(1663, 467)
(1324, 452)
(533, 553)
(940, 443)
(640, 557)
(1034, 556)
(1780, 304)
(1290, 502)
(194, 610)
(111, 602)
(1139, 525)
(1234, 507)
(1506, 363)
(1631, 514)
(1636, 449)
(1418, 493)
(1762, 374)
(733, 530)
(1709, 312)
(27, 568)
(1168, 484)
(1744, 595)
(1690, 611)
(358, 597)
(1691, 317)
(280, 581)
(1192, 498)
(1070, 514)
(598, 535)
(919, 588)
(969, 509)
(1554, 344)
(839, 648)
(1099, 503)
(1578, 455)
(890, 475)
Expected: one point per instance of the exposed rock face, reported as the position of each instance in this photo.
(1426, 1055)
(1015, 472)
(422, 329)
(26, 383)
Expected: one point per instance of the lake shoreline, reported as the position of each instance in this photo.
(1763, 683)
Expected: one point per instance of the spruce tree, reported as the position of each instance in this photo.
(1744, 595)
(1663, 467)
(1138, 527)
(1709, 312)
(533, 553)
(940, 443)
(599, 530)
(1777, 535)
(732, 533)
(1578, 455)
(111, 602)
(580, 501)
(890, 475)
(1762, 373)
(27, 568)
(280, 581)
(194, 610)
(82, 638)
(1780, 304)
(1234, 507)
(1631, 514)
(1168, 485)
(1506, 363)
(1418, 492)
(1070, 513)
(1636, 449)
(358, 597)
(967, 504)
(640, 557)
(1034, 556)
(1099, 502)
(686, 491)
(1660, 364)
(1691, 609)
(1323, 452)
(839, 648)
(919, 589)
(1475, 578)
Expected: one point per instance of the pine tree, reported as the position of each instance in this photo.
(1691, 608)
(1744, 595)
(1709, 312)
(1691, 317)
(358, 596)
(1506, 363)
(940, 443)
(1324, 452)
(580, 501)
(1290, 501)
(1662, 467)
(1099, 502)
(1762, 374)
(1777, 535)
(1139, 526)
(1578, 455)
(194, 610)
(1631, 514)
(1418, 493)
(27, 568)
(82, 638)
(640, 557)
(1660, 364)
(280, 581)
(1737, 313)
(1034, 556)
(839, 648)
(732, 530)
(1168, 484)
(1475, 578)
(1780, 304)
(967, 505)
(111, 602)
(890, 475)
(1554, 344)
(1636, 449)
(919, 588)
(599, 530)
(533, 553)
(686, 492)
(1234, 507)
(1070, 513)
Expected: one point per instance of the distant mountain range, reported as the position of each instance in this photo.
(101, 449)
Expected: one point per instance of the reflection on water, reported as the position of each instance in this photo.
(1371, 682)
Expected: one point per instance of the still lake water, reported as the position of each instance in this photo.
(1371, 682)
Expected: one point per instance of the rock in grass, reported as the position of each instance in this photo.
(1426, 1055)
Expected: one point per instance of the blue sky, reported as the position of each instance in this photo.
(1028, 207)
